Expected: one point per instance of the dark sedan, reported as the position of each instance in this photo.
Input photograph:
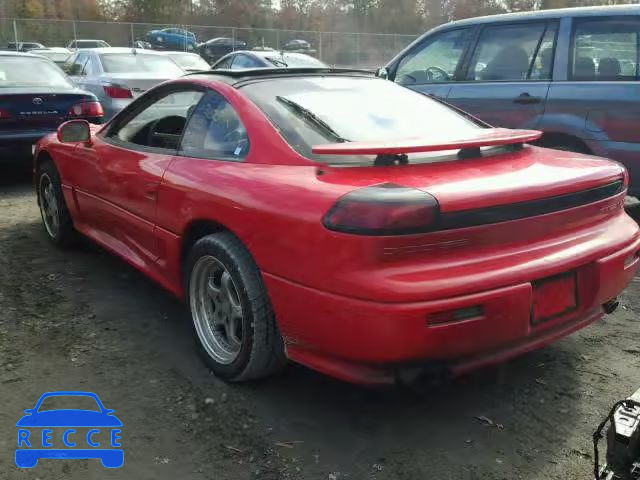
(36, 97)
(266, 59)
(213, 49)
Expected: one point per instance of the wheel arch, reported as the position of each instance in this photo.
(554, 139)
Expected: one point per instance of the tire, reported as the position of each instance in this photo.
(233, 321)
(56, 220)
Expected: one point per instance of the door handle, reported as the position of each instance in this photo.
(526, 99)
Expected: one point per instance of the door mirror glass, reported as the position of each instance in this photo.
(382, 73)
(74, 131)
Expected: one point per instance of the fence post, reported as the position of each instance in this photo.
(133, 40)
(15, 34)
(320, 46)
(233, 39)
(357, 49)
(277, 39)
(75, 33)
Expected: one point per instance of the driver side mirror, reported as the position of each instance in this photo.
(382, 73)
(74, 131)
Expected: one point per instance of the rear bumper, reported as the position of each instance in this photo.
(372, 343)
(17, 146)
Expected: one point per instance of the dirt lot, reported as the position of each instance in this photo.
(83, 320)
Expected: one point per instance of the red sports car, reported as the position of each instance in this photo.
(343, 222)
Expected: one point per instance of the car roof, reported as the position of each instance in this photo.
(236, 78)
(52, 49)
(270, 53)
(138, 51)
(546, 14)
(180, 53)
(11, 53)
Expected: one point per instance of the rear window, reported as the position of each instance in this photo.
(354, 109)
(30, 71)
(53, 55)
(139, 63)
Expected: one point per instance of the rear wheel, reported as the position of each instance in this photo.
(231, 312)
(53, 207)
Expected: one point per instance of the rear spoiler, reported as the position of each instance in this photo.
(486, 137)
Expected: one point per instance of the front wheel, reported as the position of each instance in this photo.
(53, 207)
(232, 316)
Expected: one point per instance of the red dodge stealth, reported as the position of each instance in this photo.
(343, 222)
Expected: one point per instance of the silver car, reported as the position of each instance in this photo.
(118, 75)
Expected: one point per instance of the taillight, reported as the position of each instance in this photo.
(87, 109)
(4, 115)
(386, 209)
(115, 91)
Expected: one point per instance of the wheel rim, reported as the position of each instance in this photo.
(216, 310)
(49, 206)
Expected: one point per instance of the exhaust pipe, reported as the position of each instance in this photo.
(611, 306)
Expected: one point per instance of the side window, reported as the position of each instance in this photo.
(605, 50)
(226, 63)
(506, 52)
(78, 64)
(434, 61)
(244, 61)
(69, 63)
(159, 124)
(215, 131)
(88, 69)
(542, 66)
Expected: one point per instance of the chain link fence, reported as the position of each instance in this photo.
(363, 50)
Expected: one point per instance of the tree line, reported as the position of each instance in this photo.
(375, 16)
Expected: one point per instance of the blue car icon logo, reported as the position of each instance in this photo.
(84, 433)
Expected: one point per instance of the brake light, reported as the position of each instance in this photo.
(87, 109)
(115, 91)
(386, 209)
(4, 114)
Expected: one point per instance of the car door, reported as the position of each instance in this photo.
(432, 66)
(123, 168)
(507, 78)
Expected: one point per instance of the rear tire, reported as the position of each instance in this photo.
(233, 320)
(56, 218)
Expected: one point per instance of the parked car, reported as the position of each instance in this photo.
(297, 45)
(213, 49)
(189, 62)
(118, 75)
(57, 55)
(87, 44)
(172, 39)
(24, 46)
(36, 97)
(288, 205)
(571, 73)
(266, 59)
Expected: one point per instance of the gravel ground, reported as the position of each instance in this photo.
(83, 320)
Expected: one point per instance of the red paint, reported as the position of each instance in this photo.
(357, 307)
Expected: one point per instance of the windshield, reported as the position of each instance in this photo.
(293, 60)
(191, 62)
(30, 71)
(319, 110)
(69, 402)
(139, 63)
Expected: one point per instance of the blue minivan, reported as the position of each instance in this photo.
(572, 73)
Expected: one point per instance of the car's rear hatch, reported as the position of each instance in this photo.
(41, 109)
(508, 208)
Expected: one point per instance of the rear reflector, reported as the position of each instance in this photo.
(115, 91)
(386, 209)
(452, 316)
(86, 109)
